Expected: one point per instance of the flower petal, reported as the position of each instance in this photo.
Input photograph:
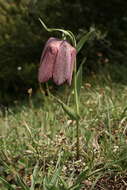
(46, 45)
(71, 65)
(63, 67)
(48, 59)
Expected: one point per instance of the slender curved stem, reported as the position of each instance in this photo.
(77, 145)
(77, 110)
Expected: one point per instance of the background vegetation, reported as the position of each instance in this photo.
(38, 141)
(22, 38)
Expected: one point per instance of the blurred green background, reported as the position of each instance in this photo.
(22, 39)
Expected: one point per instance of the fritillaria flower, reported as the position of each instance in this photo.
(57, 62)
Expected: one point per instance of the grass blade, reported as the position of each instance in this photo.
(55, 176)
(21, 183)
(79, 76)
(34, 176)
(95, 182)
(6, 184)
(71, 113)
(84, 39)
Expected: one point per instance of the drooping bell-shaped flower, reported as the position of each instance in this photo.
(57, 61)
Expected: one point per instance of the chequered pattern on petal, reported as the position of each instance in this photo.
(63, 67)
(71, 66)
(48, 60)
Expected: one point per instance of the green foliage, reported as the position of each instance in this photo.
(79, 76)
(38, 141)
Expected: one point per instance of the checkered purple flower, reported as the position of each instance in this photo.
(57, 62)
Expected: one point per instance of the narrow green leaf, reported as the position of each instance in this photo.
(70, 112)
(124, 112)
(21, 183)
(63, 183)
(82, 176)
(95, 182)
(34, 176)
(6, 184)
(84, 39)
(76, 187)
(44, 184)
(79, 76)
(55, 177)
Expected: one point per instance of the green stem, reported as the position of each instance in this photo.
(77, 143)
(77, 110)
(75, 90)
(76, 102)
